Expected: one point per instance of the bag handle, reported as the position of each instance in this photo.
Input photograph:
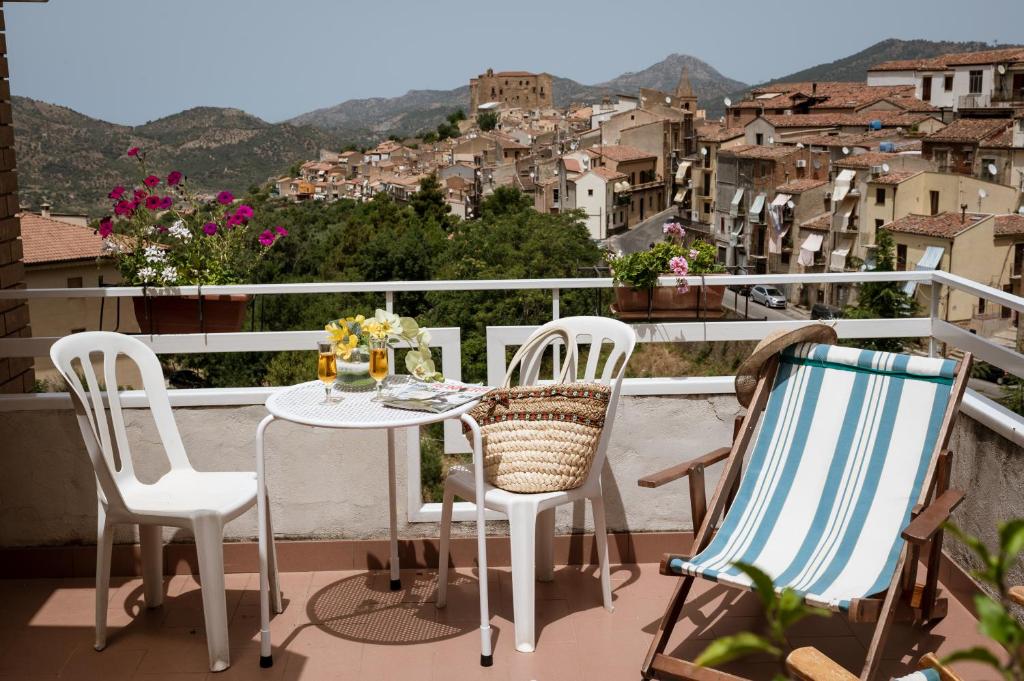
(538, 341)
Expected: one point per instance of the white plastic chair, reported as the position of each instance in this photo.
(183, 497)
(531, 517)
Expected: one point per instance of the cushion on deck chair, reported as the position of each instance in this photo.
(838, 463)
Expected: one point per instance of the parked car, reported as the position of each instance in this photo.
(823, 311)
(769, 296)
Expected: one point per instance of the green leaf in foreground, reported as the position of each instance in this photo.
(728, 648)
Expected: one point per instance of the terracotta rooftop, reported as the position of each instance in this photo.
(823, 221)
(800, 185)
(832, 95)
(895, 177)
(866, 160)
(889, 119)
(607, 174)
(621, 152)
(1010, 225)
(1001, 140)
(944, 225)
(47, 241)
(572, 165)
(760, 151)
(969, 130)
(1009, 54)
(718, 133)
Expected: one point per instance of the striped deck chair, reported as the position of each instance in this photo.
(851, 449)
(810, 664)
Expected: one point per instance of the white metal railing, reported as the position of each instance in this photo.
(448, 340)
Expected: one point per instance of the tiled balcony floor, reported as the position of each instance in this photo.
(348, 625)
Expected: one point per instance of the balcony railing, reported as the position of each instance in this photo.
(498, 338)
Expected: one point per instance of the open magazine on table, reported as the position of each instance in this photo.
(432, 397)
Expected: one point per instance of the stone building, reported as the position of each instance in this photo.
(511, 89)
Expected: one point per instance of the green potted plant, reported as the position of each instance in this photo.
(162, 235)
(637, 294)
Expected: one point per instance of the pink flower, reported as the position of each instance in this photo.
(674, 229)
(124, 208)
(244, 211)
(267, 238)
(134, 151)
(174, 178)
(224, 198)
(683, 288)
(281, 231)
(153, 202)
(106, 227)
(151, 181)
(166, 203)
(210, 228)
(116, 193)
(233, 221)
(693, 253)
(679, 266)
(139, 194)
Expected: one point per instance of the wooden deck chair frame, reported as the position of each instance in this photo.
(904, 599)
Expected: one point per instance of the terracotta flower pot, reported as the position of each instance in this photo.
(662, 301)
(181, 314)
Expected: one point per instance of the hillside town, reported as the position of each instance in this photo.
(795, 177)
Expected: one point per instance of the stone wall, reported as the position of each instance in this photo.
(15, 373)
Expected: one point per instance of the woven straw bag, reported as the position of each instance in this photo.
(541, 438)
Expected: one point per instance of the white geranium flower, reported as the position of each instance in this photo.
(154, 254)
(180, 231)
(169, 274)
(147, 274)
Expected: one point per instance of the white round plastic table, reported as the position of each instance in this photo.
(304, 404)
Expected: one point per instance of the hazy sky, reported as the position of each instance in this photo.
(130, 61)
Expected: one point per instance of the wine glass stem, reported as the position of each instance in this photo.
(378, 390)
(327, 393)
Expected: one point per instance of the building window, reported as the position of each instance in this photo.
(590, 192)
(759, 139)
(878, 223)
(974, 83)
(554, 193)
(947, 82)
(74, 282)
(879, 196)
(901, 257)
(933, 202)
(981, 306)
(926, 88)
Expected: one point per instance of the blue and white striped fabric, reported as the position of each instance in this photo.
(928, 674)
(844, 445)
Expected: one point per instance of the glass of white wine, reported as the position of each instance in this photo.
(326, 368)
(378, 363)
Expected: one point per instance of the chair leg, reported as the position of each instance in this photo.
(601, 540)
(545, 539)
(885, 620)
(443, 547)
(209, 532)
(272, 573)
(522, 521)
(152, 540)
(104, 548)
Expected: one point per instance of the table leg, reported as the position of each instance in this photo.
(486, 653)
(396, 576)
(266, 657)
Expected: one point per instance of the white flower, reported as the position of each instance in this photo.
(147, 274)
(179, 230)
(154, 254)
(169, 274)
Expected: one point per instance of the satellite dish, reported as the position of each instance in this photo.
(728, 102)
(668, 100)
(846, 150)
(771, 140)
(817, 164)
(1021, 210)
(790, 205)
(799, 145)
(992, 170)
(982, 193)
(703, 151)
(885, 167)
(1001, 69)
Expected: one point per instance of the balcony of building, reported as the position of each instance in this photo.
(340, 618)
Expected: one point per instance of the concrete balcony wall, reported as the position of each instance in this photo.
(331, 484)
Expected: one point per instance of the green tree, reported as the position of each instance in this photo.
(882, 299)
(429, 202)
(456, 116)
(487, 120)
